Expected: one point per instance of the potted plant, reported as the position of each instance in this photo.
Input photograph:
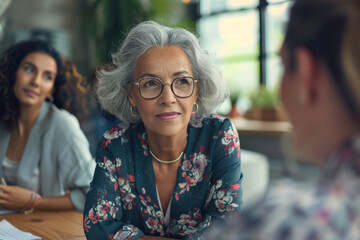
(265, 105)
(234, 97)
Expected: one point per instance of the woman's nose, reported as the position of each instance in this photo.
(167, 96)
(36, 79)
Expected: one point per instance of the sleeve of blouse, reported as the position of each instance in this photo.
(292, 210)
(76, 166)
(103, 208)
(224, 197)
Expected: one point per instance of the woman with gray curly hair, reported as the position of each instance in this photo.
(171, 167)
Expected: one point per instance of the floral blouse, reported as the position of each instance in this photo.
(329, 210)
(122, 201)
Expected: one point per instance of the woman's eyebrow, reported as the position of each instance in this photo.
(28, 63)
(180, 73)
(148, 75)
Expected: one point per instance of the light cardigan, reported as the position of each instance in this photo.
(60, 149)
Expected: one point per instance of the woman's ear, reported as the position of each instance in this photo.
(307, 75)
(131, 97)
(196, 92)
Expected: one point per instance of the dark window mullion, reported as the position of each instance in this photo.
(262, 44)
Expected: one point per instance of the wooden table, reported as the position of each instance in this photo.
(50, 224)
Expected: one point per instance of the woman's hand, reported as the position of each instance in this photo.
(14, 197)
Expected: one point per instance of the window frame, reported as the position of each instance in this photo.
(263, 54)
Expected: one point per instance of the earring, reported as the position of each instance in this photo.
(50, 99)
(196, 108)
(132, 112)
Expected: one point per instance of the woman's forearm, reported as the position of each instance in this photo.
(55, 203)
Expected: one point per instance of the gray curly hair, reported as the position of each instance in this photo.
(113, 84)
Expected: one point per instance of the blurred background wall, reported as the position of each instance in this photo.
(83, 30)
(58, 21)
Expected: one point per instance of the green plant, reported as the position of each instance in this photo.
(106, 22)
(234, 96)
(264, 97)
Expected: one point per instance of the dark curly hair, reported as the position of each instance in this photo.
(66, 92)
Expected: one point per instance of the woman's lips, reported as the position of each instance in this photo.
(30, 93)
(168, 116)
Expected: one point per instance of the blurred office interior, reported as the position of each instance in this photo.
(243, 36)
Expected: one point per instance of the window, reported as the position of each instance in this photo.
(244, 36)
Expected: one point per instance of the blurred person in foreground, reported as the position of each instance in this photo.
(171, 168)
(320, 89)
(44, 155)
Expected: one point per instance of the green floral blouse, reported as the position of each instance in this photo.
(122, 202)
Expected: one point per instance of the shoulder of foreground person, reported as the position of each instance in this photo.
(293, 210)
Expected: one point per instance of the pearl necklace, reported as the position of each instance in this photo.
(162, 161)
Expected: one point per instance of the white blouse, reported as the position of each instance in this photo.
(10, 169)
(167, 213)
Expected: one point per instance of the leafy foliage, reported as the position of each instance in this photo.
(106, 22)
(264, 97)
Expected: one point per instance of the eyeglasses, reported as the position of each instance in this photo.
(152, 87)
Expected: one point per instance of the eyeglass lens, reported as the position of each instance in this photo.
(152, 87)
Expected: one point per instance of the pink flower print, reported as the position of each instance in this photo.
(104, 143)
(142, 138)
(184, 187)
(131, 178)
(121, 181)
(86, 223)
(235, 186)
(113, 211)
(112, 133)
(142, 199)
(323, 215)
(151, 222)
(184, 219)
(231, 141)
(197, 216)
(221, 193)
(192, 223)
(116, 131)
(199, 166)
(190, 182)
(193, 171)
(186, 165)
(94, 217)
(230, 208)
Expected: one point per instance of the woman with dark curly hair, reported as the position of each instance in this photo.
(43, 151)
